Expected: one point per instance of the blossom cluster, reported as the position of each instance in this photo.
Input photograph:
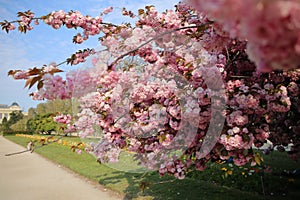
(56, 19)
(271, 28)
(80, 56)
(67, 121)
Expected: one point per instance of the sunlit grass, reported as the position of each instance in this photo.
(210, 184)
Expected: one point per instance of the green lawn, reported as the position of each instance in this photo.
(210, 184)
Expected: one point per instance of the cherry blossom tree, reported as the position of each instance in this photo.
(206, 81)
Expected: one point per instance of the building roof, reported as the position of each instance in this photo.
(15, 104)
(6, 106)
(3, 106)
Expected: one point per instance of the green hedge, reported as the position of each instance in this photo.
(4, 133)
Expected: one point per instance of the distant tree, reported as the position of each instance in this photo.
(40, 119)
(4, 126)
(20, 125)
(42, 124)
(15, 116)
(41, 109)
(59, 106)
(54, 106)
(31, 112)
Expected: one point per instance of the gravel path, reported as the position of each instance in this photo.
(29, 176)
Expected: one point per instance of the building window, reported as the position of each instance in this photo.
(6, 115)
(0, 115)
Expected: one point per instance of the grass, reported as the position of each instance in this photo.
(210, 184)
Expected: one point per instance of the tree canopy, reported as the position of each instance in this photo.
(213, 81)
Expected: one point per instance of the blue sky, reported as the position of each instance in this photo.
(44, 45)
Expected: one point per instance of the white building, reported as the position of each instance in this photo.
(5, 110)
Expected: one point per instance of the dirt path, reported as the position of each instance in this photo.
(29, 176)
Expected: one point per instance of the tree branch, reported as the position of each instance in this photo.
(152, 39)
(20, 152)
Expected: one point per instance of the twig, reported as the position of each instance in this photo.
(20, 152)
(262, 185)
(31, 150)
(61, 63)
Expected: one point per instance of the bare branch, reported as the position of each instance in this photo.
(20, 152)
(31, 150)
